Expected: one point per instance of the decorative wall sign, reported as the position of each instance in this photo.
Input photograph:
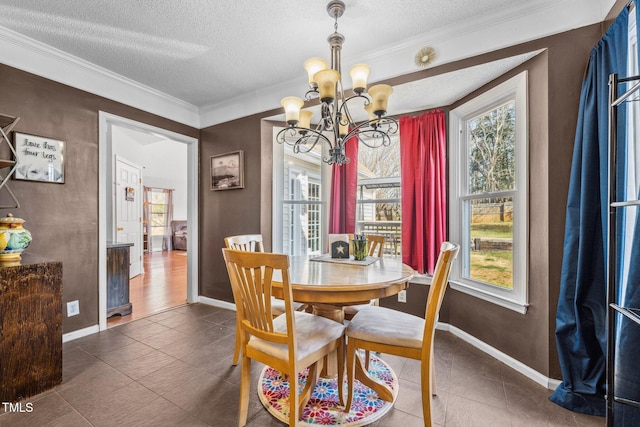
(39, 158)
(227, 171)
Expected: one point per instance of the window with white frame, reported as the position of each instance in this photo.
(632, 178)
(158, 211)
(379, 209)
(488, 194)
(301, 185)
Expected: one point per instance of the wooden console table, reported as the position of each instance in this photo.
(30, 327)
(118, 279)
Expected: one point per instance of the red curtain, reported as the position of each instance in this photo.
(344, 183)
(423, 146)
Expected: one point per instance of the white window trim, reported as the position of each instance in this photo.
(513, 89)
(277, 194)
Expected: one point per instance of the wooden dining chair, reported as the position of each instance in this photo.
(289, 343)
(390, 331)
(253, 243)
(376, 245)
(245, 242)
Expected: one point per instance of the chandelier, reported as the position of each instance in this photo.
(326, 84)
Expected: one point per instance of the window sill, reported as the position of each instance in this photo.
(424, 279)
(420, 279)
(495, 299)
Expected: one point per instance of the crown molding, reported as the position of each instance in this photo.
(30, 55)
(463, 40)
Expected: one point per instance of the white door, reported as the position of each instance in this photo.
(128, 205)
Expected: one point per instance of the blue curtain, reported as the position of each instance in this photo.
(581, 327)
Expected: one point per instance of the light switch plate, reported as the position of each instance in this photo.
(402, 296)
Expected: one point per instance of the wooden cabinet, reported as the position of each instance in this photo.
(118, 279)
(30, 328)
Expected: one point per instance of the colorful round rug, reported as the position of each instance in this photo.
(324, 407)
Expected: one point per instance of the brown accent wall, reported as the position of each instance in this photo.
(228, 212)
(555, 78)
(63, 218)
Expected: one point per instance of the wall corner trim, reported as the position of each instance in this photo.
(549, 383)
(70, 336)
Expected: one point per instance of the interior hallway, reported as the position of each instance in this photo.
(163, 285)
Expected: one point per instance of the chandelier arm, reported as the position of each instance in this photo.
(382, 139)
(344, 109)
(327, 117)
(379, 128)
(305, 142)
(388, 124)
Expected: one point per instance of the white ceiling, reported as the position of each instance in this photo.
(205, 61)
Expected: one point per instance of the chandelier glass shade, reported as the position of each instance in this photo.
(336, 120)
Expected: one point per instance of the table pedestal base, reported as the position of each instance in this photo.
(324, 406)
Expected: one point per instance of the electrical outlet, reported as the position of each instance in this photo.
(402, 296)
(73, 308)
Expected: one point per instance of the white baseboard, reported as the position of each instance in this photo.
(520, 367)
(80, 333)
(217, 303)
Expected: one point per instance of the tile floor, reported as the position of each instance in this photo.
(174, 369)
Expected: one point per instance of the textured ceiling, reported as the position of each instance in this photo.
(207, 52)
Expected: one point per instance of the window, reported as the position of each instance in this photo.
(158, 212)
(378, 197)
(488, 194)
(301, 189)
(632, 178)
(301, 183)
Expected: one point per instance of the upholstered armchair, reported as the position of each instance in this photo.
(179, 235)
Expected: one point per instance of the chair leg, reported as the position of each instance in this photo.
(351, 367)
(426, 383)
(236, 350)
(340, 354)
(307, 391)
(367, 354)
(433, 375)
(293, 398)
(245, 385)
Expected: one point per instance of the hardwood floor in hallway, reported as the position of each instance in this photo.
(162, 286)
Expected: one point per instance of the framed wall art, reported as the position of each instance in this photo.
(38, 158)
(227, 171)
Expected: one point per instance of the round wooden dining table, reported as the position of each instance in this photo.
(330, 284)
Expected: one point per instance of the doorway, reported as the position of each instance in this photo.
(107, 124)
